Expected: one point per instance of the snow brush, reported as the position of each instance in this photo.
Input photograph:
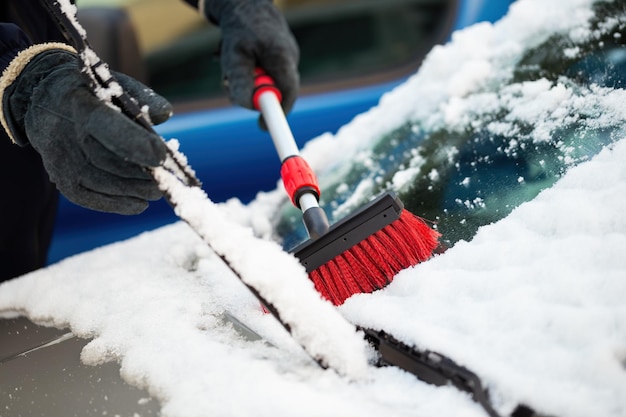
(362, 252)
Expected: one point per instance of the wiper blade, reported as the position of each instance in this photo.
(436, 369)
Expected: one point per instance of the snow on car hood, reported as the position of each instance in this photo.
(534, 304)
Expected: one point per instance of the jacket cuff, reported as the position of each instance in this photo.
(10, 75)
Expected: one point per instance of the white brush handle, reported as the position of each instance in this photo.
(277, 125)
(298, 177)
(283, 139)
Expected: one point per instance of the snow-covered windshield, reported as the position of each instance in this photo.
(488, 122)
(534, 304)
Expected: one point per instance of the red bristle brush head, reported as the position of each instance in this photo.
(372, 263)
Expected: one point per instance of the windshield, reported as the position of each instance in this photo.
(483, 152)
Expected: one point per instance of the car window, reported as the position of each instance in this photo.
(340, 41)
(512, 140)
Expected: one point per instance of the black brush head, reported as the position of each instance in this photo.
(349, 231)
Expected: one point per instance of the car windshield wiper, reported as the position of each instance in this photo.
(436, 369)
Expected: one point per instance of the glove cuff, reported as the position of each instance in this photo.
(9, 77)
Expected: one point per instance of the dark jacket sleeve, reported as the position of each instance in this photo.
(24, 22)
(33, 18)
(12, 40)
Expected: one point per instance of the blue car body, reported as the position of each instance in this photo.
(231, 155)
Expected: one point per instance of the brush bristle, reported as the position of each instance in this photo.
(372, 263)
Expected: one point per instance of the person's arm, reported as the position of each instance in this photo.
(254, 34)
(12, 41)
(33, 19)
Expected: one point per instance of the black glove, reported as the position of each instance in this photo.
(96, 156)
(255, 34)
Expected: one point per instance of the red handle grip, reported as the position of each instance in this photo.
(298, 178)
(262, 84)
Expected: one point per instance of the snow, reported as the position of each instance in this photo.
(534, 304)
(277, 276)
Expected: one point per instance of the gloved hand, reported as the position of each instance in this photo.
(255, 34)
(94, 154)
